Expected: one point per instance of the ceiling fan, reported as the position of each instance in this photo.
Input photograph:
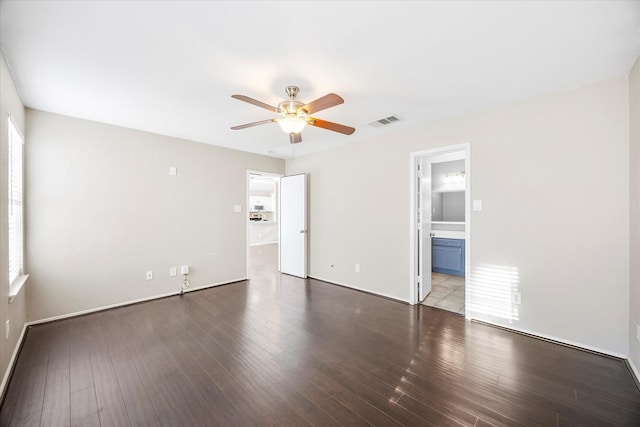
(293, 115)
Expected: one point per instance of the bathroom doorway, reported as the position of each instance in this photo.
(440, 228)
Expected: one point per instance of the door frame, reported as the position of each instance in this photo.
(414, 158)
(247, 208)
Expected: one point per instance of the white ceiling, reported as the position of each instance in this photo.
(171, 67)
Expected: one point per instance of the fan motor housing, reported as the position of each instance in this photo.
(292, 91)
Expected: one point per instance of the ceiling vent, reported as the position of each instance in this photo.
(385, 121)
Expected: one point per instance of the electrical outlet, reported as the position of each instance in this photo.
(173, 272)
(149, 275)
(515, 297)
(173, 171)
(7, 329)
(357, 268)
(638, 331)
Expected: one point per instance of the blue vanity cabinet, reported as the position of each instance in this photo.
(447, 256)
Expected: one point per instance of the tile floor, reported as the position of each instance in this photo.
(447, 293)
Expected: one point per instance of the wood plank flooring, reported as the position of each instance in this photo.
(282, 351)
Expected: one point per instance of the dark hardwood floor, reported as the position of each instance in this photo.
(282, 351)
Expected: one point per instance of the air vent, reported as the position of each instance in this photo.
(385, 121)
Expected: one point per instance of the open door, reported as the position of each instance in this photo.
(293, 225)
(424, 227)
(440, 227)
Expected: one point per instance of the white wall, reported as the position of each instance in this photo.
(634, 211)
(103, 209)
(10, 104)
(570, 263)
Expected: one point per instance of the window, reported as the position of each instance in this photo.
(16, 249)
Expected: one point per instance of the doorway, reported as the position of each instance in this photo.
(262, 223)
(440, 228)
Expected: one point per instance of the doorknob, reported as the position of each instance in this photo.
(303, 231)
(432, 234)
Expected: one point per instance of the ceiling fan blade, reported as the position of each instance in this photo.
(294, 138)
(252, 124)
(336, 127)
(325, 102)
(255, 102)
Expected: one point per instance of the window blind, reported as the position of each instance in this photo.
(16, 251)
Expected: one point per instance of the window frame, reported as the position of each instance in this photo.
(16, 278)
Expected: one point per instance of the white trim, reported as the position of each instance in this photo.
(634, 370)
(480, 321)
(365, 290)
(14, 355)
(15, 282)
(15, 125)
(413, 160)
(122, 304)
(13, 360)
(467, 230)
(558, 340)
(16, 286)
(446, 153)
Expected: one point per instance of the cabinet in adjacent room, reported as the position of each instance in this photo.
(447, 256)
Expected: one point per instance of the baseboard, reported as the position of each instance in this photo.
(122, 304)
(632, 368)
(355, 288)
(555, 340)
(16, 351)
(537, 335)
(12, 362)
(634, 372)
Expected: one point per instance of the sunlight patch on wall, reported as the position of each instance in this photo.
(494, 291)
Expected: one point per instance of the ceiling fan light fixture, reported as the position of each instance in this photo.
(293, 116)
(292, 124)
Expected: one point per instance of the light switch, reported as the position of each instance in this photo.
(237, 208)
(477, 205)
(173, 171)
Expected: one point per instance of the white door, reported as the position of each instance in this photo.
(424, 228)
(293, 225)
